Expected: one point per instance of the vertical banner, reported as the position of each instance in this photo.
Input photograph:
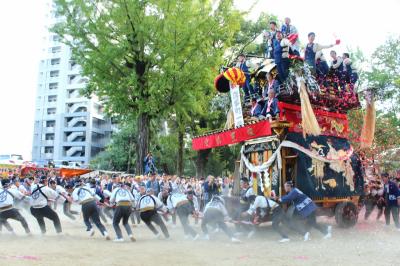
(236, 105)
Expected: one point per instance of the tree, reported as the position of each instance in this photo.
(125, 48)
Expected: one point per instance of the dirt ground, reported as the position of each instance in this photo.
(369, 243)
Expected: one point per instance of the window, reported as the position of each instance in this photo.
(54, 73)
(50, 123)
(52, 98)
(56, 49)
(55, 61)
(53, 86)
(49, 136)
(48, 149)
(56, 38)
(51, 111)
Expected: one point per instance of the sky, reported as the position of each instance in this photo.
(364, 24)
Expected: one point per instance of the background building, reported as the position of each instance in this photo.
(68, 126)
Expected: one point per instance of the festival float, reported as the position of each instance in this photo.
(307, 142)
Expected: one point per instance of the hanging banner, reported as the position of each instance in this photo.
(331, 124)
(236, 105)
(236, 135)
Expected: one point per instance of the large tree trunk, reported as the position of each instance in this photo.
(128, 168)
(201, 162)
(142, 147)
(180, 153)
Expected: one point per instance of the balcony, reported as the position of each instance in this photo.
(77, 107)
(74, 129)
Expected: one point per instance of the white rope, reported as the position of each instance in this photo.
(277, 156)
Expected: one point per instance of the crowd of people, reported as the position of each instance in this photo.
(160, 199)
(282, 45)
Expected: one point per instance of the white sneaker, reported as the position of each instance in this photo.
(327, 236)
(196, 237)
(132, 238)
(284, 240)
(91, 232)
(186, 237)
(118, 240)
(235, 240)
(307, 236)
(206, 237)
(157, 236)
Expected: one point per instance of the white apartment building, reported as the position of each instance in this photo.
(67, 126)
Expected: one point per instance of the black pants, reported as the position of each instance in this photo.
(15, 215)
(67, 210)
(278, 217)
(395, 214)
(135, 214)
(183, 213)
(108, 211)
(311, 222)
(215, 216)
(122, 212)
(46, 212)
(90, 212)
(152, 216)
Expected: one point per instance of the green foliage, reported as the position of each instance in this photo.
(148, 58)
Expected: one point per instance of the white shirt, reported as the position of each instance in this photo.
(7, 197)
(121, 194)
(38, 199)
(261, 202)
(62, 194)
(82, 193)
(174, 199)
(149, 202)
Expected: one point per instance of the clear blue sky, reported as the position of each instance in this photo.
(22, 25)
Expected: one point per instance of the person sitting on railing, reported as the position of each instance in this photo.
(349, 73)
(271, 108)
(311, 50)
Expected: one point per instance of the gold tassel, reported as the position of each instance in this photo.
(368, 129)
(309, 122)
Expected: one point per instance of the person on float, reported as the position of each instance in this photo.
(336, 64)
(312, 49)
(247, 86)
(305, 209)
(269, 40)
(256, 108)
(271, 108)
(349, 72)
(287, 30)
(281, 56)
(322, 68)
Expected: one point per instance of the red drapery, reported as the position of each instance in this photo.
(252, 131)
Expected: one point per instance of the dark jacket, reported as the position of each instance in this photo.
(303, 204)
